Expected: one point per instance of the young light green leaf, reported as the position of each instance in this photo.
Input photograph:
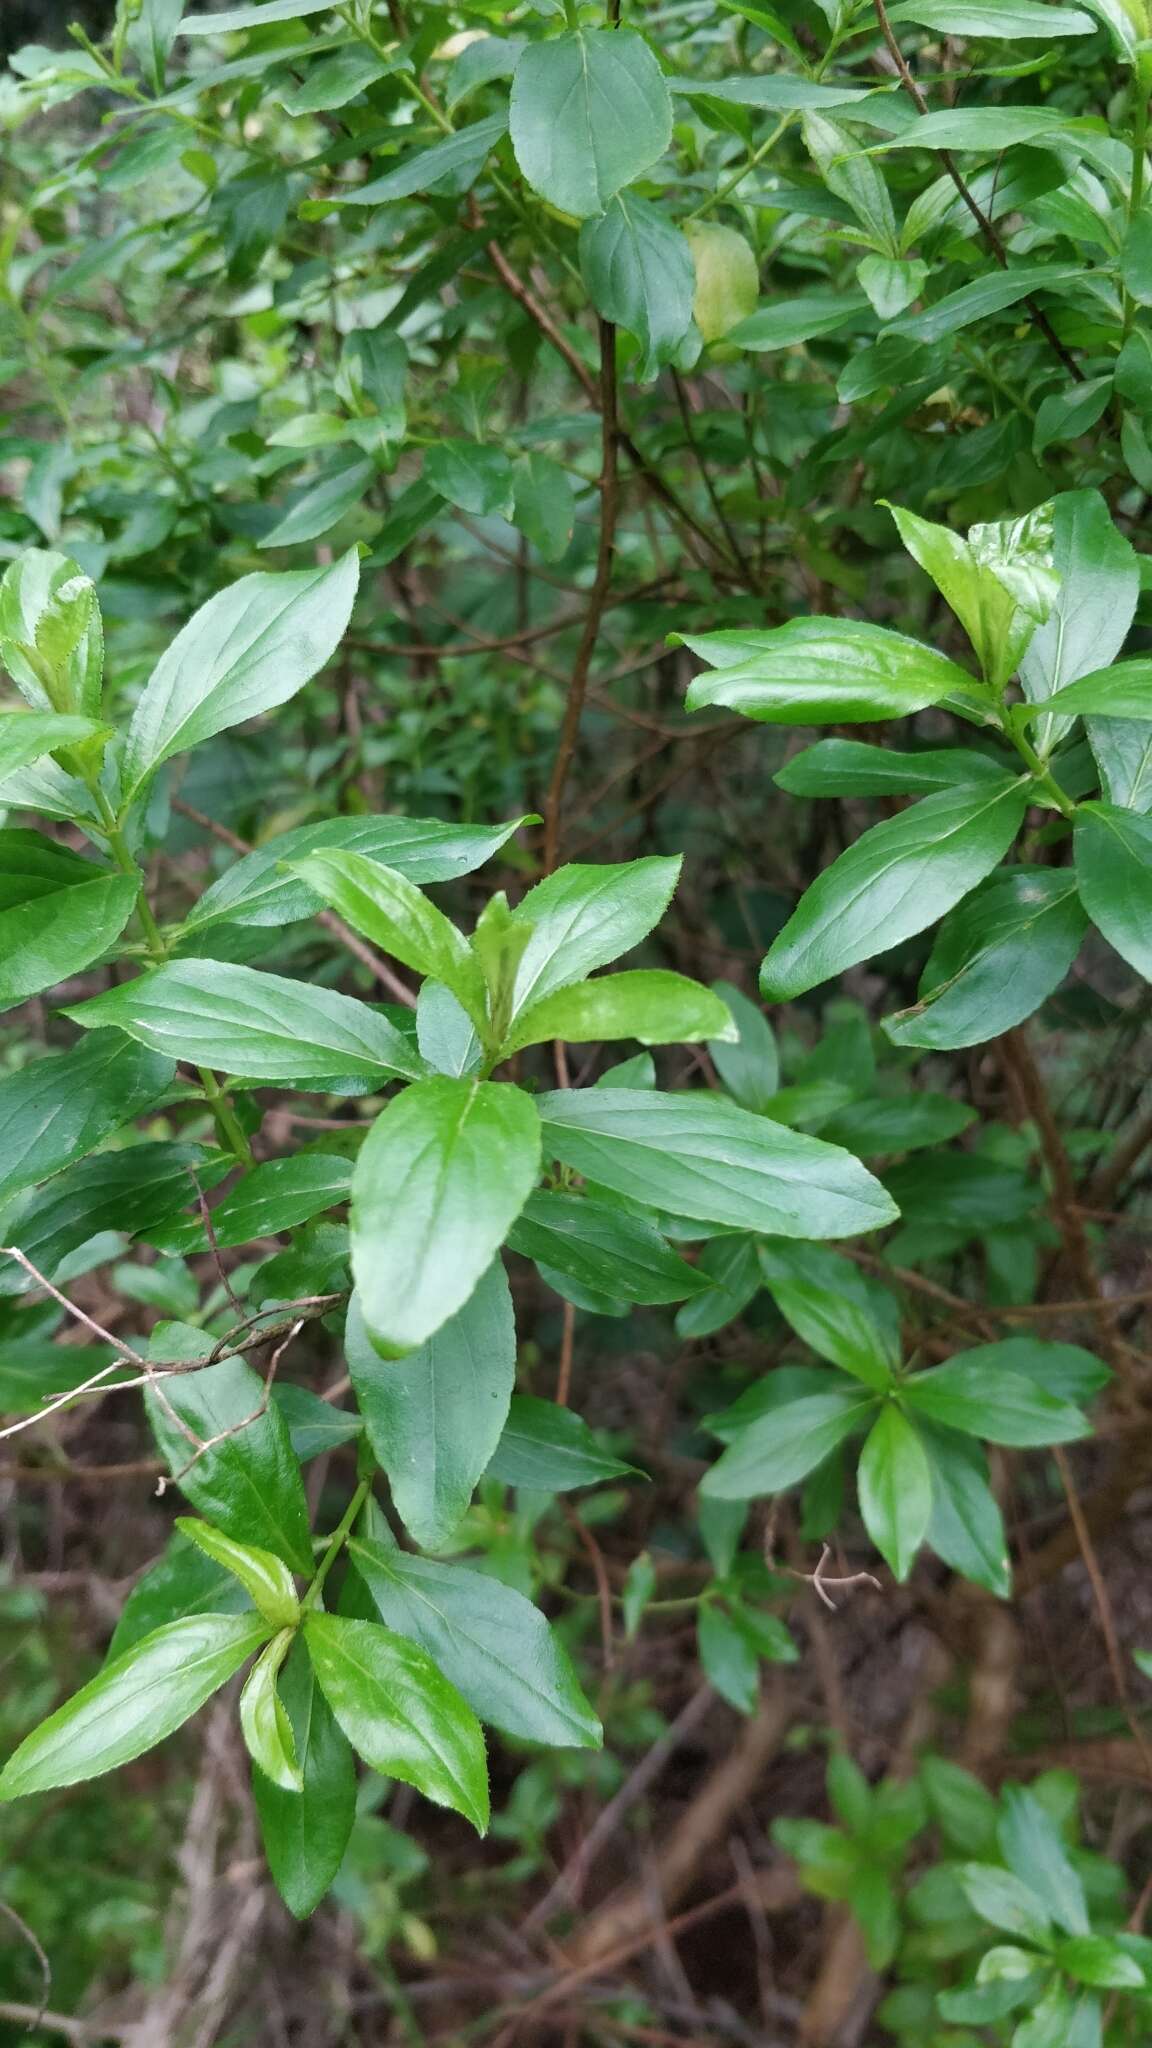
(133, 1703)
(182, 1583)
(28, 735)
(58, 913)
(392, 913)
(584, 917)
(51, 635)
(1001, 582)
(247, 650)
(726, 277)
(817, 671)
(549, 1449)
(56, 1110)
(590, 111)
(434, 1418)
(785, 1443)
(305, 1833)
(899, 877)
(444, 1171)
(247, 1482)
(1114, 876)
(701, 1156)
(895, 1487)
(649, 1004)
(254, 1025)
(264, 1576)
(264, 1724)
(603, 1248)
(399, 1713)
(997, 957)
(488, 1640)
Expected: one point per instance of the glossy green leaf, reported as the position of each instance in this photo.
(127, 1190)
(1000, 582)
(275, 1196)
(394, 915)
(314, 1425)
(265, 1577)
(264, 1723)
(732, 1267)
(442, 1174)
(898, 877)
(305, 1833)
(56, 1110)
(965, 1528)
(1067, 414)
(590, 111)
(1092, 1959)
(1114, 876)
(603, 1248)
(1122, 691)
(1004, 1901)
(1099, 575)
(584, 917)
(997, 957)
(699, 1155)
(183, 1582)
(247, 650)
(488, 1640)
(58, 913)
(980, 1397)
(334, 81)
(434, 1418)
(254, 1025)
(895, 1488)
(247, 1483)
(852, 768)
(1065, 1370)
(399, 1713)
(817, 671)
(550, 1450)
(133, 1703)
(784, 1444)
(232, 18)
(648, 1004)
(843, 1315)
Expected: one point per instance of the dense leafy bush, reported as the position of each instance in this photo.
(419, 417)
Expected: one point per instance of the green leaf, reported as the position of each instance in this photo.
(602, 1248)
(817, 671)
(701, 1156)
(51, 635)
(399, 1713)
(152, 35)
(966, 1528)
(1064, 1370)
(306, 1833)
(476, 478)
(984, 296)
(727, 1658)
(784, 322)
(891, 283)
(898, 1123)
(261, 889)
(895, 1486)
(997, 957)
(1114, 876)
(1122, 691)
(314, 1425)
(445, 1033)
(845, 1317)
(725, 278)
(1003, 1901)
(315, 511)
(1016, 21)
(53, 1111)
(452, 165)
(898, 877)
(784, 1444)
(748, 1065)
(275, 1196)
(128, 1190)
(1031, 1846)
(1065, 415)
(964, 1808)
(1092, 1959)
(637, 269)
(58, 913)
(133, 1703)
(443, 1173)
(434, 1418)
(336, 80)
(550, 1450)
(488, 1640)
(590, 111)
(584, 917)
(234, 18)
(852, 768)
(265, 1577)
(854, 178)
(264, 1724)
(1000, 582)
(248, 1481)
(1099, 575)
(254, 1025)
(392, 913)
(732, 1266)
(990, 128)
(649, 1004)
(543, 504)
(975, 1394)
(182, 1583)
(247, 650)
(29, 735)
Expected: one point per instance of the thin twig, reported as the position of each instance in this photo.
(1103, 1604)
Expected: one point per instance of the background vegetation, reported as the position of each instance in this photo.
(278, 284)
